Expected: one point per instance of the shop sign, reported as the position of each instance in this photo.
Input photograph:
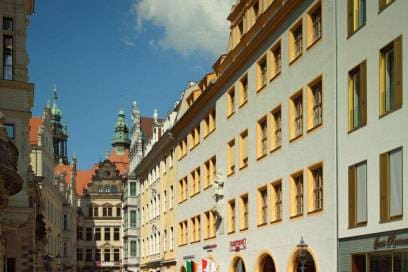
(391, 241)
(238, 245)
(209, 248)
(189, 257)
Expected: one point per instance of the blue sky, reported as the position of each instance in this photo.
(103, 54)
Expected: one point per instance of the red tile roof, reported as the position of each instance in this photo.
(33, 129)
(146, 125)
(121, 161)
(61, 169)
(84, 177)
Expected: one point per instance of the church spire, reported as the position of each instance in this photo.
(121, 140)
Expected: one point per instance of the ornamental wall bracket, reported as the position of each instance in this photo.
(218, 193)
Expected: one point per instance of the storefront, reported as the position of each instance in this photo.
(384, 252)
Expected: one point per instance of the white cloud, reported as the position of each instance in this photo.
(129, 43)
(190, 26)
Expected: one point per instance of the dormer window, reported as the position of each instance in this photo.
(256, 9)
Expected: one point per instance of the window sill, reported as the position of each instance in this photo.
(296, 138)
(357, 225)
(295, 58)
(242, 167)
(260, 157)
(244, 229)
(309, 130)
(356, 128)
(261, 88)
(276, 148)
(209, 133)
(380, 10)
(229, 115)
(355, 31)
(207, 187)
(243, 103)
(209, 238)
(296, 216)
(182, 201)
(382, 115)
(231, 232)
(276, 221)
(391, 219)
(262, 224)
(275, 75)
(195, 242)
(315, 211)
(193, 195)
(314, 42)
(230, 173)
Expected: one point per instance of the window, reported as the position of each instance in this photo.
(79, 233)
(314, 106)
(357, 97)
(164, 200)
(65, 222)
(183, 233)
(88, 234)
(194, 137)
(97, 255)
(357, 194)
(116, 255)
(195, 182)
(116, 234)
(276, 201)
(209, 172)
(262, 137)
(359, 263)
(315, 188)
(276, 128)
(243, 90)
(391, 77)
(10, 129)
(295, 42)
(95, 211)
(107, 233)
(133, 248)
(88, 255)
(210, 224)
(296, 195)
(171, 197)
(118, 211)
(276, 60)
(195, 229)
(262, 73)
(8, 24)
(391, 193)
(209, 123)
(80, 254)
(182, 148)
(314, 25)
(182, 189)
(262, 206)
(132, 188)
(231, 216)
(356, 17)
(243, 149)
(171, 238)
(244, 213)
(384, 3)
(231, 158)
(296, 115)
(97, 234)
(106, 255)
(8, 57)
(230, 102)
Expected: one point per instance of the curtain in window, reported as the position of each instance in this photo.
(396, 182)
(361, 174)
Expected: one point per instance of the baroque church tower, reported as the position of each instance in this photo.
(121, 141)
(60, 131)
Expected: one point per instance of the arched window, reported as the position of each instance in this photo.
(305, 263)
(267, 264)
(239, 265)
(183, 269)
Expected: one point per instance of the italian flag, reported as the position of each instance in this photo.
(191, 266)
(208, 266)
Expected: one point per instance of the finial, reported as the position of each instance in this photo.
(155, 115)
(48, 106)
(54, 91)
(74, 156)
